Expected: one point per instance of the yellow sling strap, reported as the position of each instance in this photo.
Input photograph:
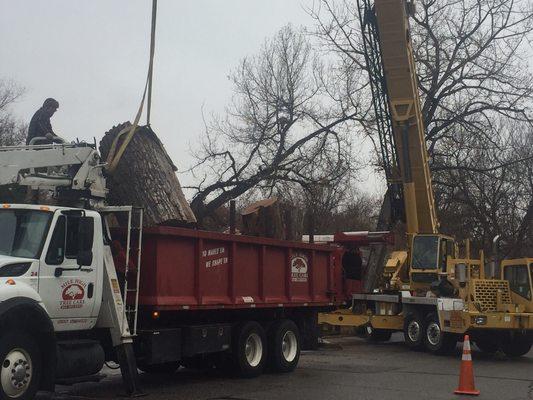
(116, 151)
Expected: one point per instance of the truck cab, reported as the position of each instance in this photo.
(519, 273)
(51, 272)
(54, 256)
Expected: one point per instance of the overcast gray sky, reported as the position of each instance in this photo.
(92, 57)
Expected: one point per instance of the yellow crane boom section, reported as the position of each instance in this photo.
(408, 125)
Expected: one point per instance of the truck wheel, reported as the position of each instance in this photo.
(249, 349)
(164, 368)
(516, 345)
(487, 344)
(284, 346)
(21, 366)
(413, 331)
(435, 340)
(377, 335)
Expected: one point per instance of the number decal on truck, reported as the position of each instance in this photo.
(299, 268)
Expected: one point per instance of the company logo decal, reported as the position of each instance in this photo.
(72, 294)
(299, 267)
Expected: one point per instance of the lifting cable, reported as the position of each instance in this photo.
(115, 153)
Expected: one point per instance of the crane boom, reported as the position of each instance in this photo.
(401, 83)
(75, 169)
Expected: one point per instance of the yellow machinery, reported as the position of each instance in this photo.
(431, 293)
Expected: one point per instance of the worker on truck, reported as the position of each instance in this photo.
(40, 125)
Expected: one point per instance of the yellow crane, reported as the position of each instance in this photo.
(430, 292)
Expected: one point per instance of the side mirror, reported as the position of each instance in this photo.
(85, 258)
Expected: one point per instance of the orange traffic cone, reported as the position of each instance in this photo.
(466, 377)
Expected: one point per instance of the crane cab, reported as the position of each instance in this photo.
(427, 257)
(519, 273)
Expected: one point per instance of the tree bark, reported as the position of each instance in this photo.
(263, 218)
(145, 177)
(293, 221)
(274, 219)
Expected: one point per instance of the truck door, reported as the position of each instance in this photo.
(68, 289)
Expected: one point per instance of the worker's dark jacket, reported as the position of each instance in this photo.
(39, 126)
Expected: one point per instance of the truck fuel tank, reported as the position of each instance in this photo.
(77, 358)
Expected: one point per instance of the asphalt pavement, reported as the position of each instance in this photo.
(345, 368)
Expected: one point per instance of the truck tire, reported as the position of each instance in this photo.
(435, 340)
(377, 335)
(487, 343)
(516, 345)
(413, 330)
(283, 346)
(249, 349)
(21, 370)
(164, 368)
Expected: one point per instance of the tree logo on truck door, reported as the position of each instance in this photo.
(299, 268)
(72, 294)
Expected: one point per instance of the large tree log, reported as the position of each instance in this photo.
(273, 219)
(293, 221)
(145, 177)
(262, 218)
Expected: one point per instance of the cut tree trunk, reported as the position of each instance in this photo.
(146, 177)
(263, 218)
(274, 219)
(293, 221)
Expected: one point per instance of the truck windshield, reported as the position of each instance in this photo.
(518, 277)
(23, 232)
(425, 252)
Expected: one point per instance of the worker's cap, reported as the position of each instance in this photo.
(51, 103)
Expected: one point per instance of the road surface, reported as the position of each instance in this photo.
(346, 368)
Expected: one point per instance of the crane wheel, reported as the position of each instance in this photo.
(413, 330)
(487, 343)
(435, 340)
(516, 344)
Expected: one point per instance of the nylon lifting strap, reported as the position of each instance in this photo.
(116, 151)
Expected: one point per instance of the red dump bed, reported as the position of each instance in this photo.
(191, 269)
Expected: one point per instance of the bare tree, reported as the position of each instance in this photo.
(331, 208)
(286, 125)
(490, 192)
(476, 87)
(12, 130)
(471, 59)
